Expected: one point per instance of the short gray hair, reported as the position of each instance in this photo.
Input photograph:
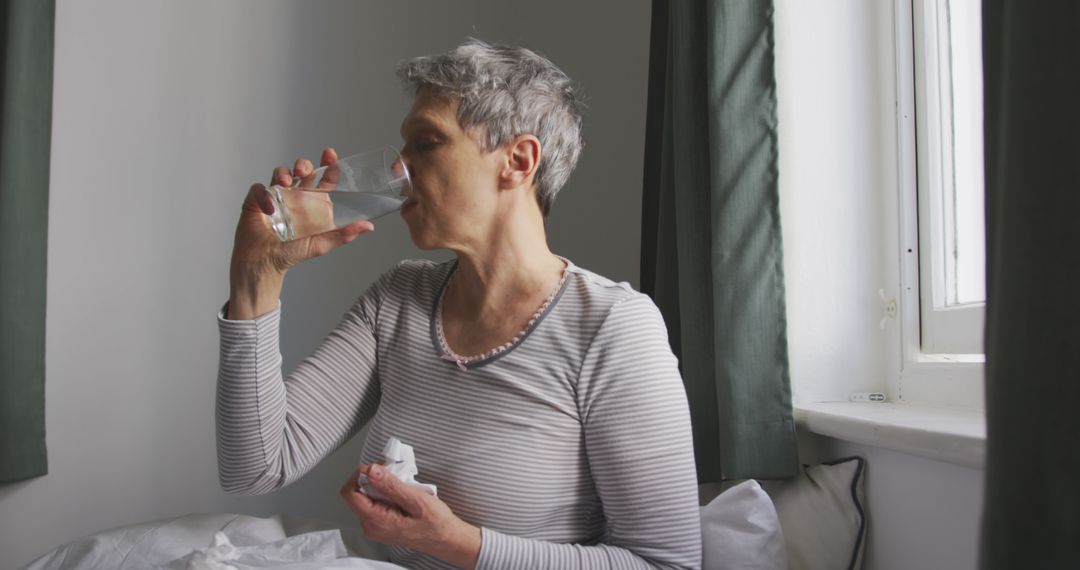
(504, 92)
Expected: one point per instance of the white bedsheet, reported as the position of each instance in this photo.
(188, 542)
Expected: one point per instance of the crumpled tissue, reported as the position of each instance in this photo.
(305, 551)
(400, 461)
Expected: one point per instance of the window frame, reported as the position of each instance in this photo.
(946, 329)
(936, 368)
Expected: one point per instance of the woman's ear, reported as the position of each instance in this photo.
(522, 160)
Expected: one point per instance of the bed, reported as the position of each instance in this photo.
(810, 522)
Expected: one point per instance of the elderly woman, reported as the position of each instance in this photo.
(541, 399)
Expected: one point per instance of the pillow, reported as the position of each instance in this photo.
(740, 530)
(821, 514)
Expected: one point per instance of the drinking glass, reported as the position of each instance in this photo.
(363, 186)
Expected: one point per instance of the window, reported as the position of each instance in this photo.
(948, 116)
(939, 77)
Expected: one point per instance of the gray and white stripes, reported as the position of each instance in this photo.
(571, 450)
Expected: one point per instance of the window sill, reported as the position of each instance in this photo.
(952, 435)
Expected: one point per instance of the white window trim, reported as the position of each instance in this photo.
(947, 329)
(936, 379)
(942, 434)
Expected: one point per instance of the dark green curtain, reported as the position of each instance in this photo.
(1031, 53)
(711, 245)
(26, 72)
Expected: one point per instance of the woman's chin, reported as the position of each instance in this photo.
(424, 246)
(422, 240)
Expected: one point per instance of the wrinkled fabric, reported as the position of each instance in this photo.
(740, 530)
(1031, 54)
(175, 543)
(26, 86)
(711, 251)
(311, 550)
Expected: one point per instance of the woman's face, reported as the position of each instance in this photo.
(454, 182)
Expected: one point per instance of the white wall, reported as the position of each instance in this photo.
(838, 192)
(164, 114)
(836, 86)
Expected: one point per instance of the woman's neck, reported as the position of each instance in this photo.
(507, 277)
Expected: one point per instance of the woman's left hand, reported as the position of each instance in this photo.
(419, 521)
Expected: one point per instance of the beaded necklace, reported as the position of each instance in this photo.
(461, 361)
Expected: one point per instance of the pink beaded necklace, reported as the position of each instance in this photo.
(461, 361)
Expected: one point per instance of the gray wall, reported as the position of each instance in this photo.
(164, 114)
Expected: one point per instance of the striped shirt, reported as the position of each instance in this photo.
(570, 449)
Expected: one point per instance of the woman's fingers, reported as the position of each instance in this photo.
(351, 483)
(260, 198)
(305, 171)
(330, 177)
(326, 242)
(359, 502)
(329, 156)
(332, 174)
(302, 167)
(256, 243)
(407, 498)
(281, 177)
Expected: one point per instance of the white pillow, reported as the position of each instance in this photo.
(821, 512)
(740, 530)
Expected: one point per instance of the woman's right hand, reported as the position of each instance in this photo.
(260, 259)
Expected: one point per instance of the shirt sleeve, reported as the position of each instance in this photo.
(640, 450)
(272, 430)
